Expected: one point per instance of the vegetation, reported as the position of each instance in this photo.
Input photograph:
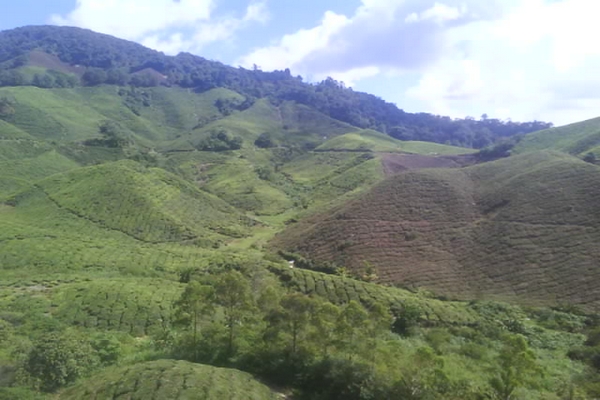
(167, 379)
(464, 233)
(123, 62)
(173, 228)
(578, 139)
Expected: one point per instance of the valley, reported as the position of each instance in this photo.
(173, 228)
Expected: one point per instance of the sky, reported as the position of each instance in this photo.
(519, 59)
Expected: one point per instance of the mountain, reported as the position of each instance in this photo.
(520, 228)
(49, 56)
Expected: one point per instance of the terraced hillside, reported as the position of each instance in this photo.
(173, 380)
(522, 228)
(578, 139)
(114, 217)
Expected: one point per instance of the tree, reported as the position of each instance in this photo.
(44, 81)
(516, 365)
(406, 316)
(350, 328)
(7, 107)
(117, 77)
(297, 311)
(107, 348)
(324, 321)
(590, 158)
(264, 141)
(422, 378)
(196, 303)
(94, 77)
(113, 134)
(232, 292)
(59, 359)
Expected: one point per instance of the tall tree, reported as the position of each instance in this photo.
(516, 365)
(232, 292)
(195, 304)
(297, 311)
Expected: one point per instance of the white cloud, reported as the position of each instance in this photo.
(375, 36)
(538, 62)
(524, 59)
(439, 13)
(293, 48)
(133, 19)
(171, 26)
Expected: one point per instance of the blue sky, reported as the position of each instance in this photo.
(519, 59)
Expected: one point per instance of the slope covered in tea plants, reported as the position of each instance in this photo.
(170, 380)
(578, 139)
(521, 228)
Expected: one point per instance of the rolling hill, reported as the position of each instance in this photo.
(143, 199)
(523, 228)
(369, 140)
(577, 139)
(166, 379)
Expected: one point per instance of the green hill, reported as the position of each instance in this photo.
(369, 140)
(148, 204)
(170, 380)
(577, 139)
(150, 207)
(521, 228)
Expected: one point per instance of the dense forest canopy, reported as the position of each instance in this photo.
(103, 59)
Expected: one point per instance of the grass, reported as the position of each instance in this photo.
(577, 139)
(166, 379)
(521, 228)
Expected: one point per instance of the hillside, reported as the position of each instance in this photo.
(577, 139)
(174, 228)
(65, 57)
(167, 379)
(521, 228)
(369, 140)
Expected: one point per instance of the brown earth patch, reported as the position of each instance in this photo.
(394, 163)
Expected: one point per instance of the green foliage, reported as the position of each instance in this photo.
(220, 141)
(112, 134)
(516, 367)
(499, 150)
(195, 304)
(59, 359)
(406, 316)
(590, 158)
(107, 347)
(7, 107)
(232, 293)
(264, 141)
